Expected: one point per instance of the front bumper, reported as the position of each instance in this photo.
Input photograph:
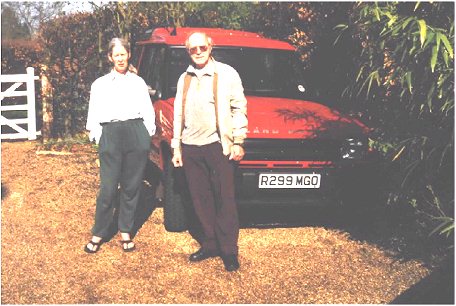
(335, 179)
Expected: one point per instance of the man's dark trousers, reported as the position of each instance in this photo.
(123, 153)
(210, 177)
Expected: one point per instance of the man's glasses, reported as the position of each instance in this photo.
(194, 50)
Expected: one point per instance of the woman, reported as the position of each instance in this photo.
(121, 120)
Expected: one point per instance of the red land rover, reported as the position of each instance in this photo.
(297, 151)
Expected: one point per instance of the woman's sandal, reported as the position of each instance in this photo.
(95, 247)
(125, 244)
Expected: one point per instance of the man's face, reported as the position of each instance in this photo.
(119, 58)
(199, 49)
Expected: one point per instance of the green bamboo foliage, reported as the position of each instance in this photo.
(404, 78)
(411, 39)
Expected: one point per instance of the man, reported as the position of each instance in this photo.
(210, 125)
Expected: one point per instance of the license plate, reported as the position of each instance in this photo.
(293, 180)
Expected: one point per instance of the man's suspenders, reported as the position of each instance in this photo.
(214, 89)
(187, 81)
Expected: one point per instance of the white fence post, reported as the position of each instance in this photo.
(18, 79)
(31, 103)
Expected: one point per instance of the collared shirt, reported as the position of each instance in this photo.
(232, 107)
(200, 126)
(119, 97)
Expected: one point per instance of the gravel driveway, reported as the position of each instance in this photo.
(47, 212)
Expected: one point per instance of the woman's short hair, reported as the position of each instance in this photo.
(118, 42)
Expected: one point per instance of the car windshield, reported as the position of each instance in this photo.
(264, 72)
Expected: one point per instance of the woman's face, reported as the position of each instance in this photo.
(119, 58)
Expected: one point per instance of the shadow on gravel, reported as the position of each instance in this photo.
(390, 229)
(374, 224)
(437, 288)
(147, 202)
(4, 191)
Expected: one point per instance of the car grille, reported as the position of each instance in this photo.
(292, 149)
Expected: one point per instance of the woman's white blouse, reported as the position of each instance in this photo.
(119, 97)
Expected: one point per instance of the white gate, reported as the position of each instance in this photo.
(29, 81)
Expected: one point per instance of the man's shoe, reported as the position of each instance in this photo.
(230, 262)
(202, 254)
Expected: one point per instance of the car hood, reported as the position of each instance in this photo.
(287, 118)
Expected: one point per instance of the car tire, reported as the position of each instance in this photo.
(174, 209)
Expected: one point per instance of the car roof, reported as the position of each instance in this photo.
(220, 37)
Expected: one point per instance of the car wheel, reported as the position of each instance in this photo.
(174, 209)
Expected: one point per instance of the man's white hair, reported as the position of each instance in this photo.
(207, 37)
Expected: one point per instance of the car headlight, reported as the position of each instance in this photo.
(353, 148)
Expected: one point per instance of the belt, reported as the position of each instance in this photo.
(115, 120)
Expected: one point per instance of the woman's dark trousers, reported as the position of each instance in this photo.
(123, 152)
(210, 177)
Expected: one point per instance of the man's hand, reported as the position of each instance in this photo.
(237, 153)
(177, 159)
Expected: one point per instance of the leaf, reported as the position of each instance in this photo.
(368, 79)
(448, 230)
(398, 154)
(411, 168)
(406, 22)
(404, 53)
(445, 227)
(359, 73)
(377, 14)
(429, 98)
(389, 15)
(423, 31)
(445, 58)
(396, 30)
(341, 27)
(444, 152)
(435, 51)
(447, 45)
(371, 78)
(429, 38)
(408, 78)
(438, 39)
(392, 21)
(384, 32)
(449, 105)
